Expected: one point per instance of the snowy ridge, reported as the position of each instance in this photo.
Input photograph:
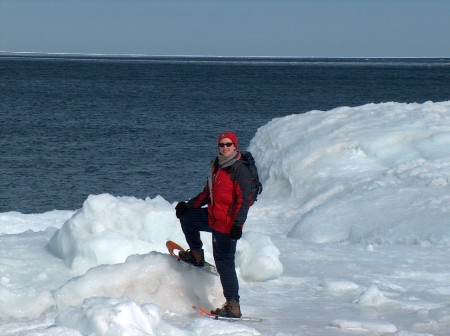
(380, 172)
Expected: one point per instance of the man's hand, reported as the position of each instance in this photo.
(236, 232)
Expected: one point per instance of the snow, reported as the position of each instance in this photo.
(350, 237)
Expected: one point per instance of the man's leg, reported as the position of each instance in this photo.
(192, 222)
(224, 250)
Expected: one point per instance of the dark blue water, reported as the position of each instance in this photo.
(75, 126)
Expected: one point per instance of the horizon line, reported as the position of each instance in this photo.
(93, 55)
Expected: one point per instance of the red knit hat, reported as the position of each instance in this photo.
(228, 135)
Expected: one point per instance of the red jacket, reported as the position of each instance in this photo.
(227, 194)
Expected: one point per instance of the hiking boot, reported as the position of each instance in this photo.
(231, 308)
(194, 257)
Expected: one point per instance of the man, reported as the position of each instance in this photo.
(228, 197)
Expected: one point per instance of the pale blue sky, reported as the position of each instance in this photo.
(305, 28)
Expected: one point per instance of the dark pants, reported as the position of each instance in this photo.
(224, 249)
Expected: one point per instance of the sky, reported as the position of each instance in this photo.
(301, 28)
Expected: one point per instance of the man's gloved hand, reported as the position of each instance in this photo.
(181, 209)
(236, 232)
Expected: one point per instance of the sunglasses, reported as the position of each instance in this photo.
(228, 144)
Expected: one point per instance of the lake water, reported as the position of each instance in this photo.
(144, 126)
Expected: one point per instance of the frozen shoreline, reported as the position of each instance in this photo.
(350, 237)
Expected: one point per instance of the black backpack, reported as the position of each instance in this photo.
(249, 161)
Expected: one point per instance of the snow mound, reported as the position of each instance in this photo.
(155, 277)
(107, 229)
(257, 258)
